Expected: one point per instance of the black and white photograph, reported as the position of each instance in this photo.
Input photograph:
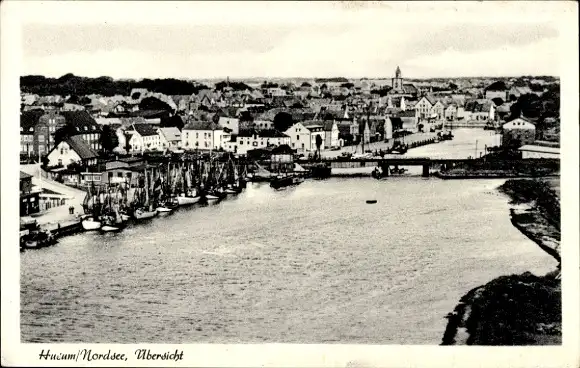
(331, 173)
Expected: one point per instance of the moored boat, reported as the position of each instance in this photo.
(184, 200)
(90, 223)
(144, 213)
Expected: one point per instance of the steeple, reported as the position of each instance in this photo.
(398, 72)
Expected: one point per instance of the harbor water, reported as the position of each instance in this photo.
(309, 264)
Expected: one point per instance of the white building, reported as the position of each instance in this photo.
(424, 107)
(303, 139)
(204, 135)
(143, 137)
(331, 134)
(72, 150)
(450, 113)
(233, 124)
(251, 139)
(169, 138)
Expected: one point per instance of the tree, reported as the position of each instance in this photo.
(172, 121)
(283, 121)
(108, 139)
(453, 86)
(246, 116)
(152, 103)
(318, 144)
(498, 101)
(127, 144)
(136, 95)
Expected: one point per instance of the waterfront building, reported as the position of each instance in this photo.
(538, 151)
(204, 135)
(438, 110)
(450, 113)
(302, 138)
(169, 138)
(72, 150)
(143, 137)
(479, 111)
(29, 198)
(518, 132)
(424, 106)
(249, 139)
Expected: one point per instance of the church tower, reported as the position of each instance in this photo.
(397, 82)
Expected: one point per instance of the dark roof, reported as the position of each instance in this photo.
(266, 133)
(81, 147)
(80, 120)
(144, 129)
(282, 149)
(407, 114)
(29, 119)
(24, 175)
(395, 120)
(409, 88)
(202, 125)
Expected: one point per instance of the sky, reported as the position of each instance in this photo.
(199, 40)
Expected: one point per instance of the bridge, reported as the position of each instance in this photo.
(425, 162)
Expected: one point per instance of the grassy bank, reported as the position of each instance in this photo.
(517, 309)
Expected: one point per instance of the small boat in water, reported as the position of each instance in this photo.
(89, 223)
(184, 200)
(144, 213)
(371, 201)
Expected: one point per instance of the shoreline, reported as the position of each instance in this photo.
(520, 309)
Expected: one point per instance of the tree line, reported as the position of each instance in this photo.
(70, 84)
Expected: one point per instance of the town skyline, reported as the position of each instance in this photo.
(271, 41)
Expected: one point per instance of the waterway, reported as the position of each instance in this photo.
(309, 264)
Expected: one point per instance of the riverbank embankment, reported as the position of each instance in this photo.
(490, 168)
(518, 309)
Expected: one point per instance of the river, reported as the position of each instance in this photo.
(309, 264)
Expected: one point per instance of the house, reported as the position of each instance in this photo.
(479, 111)
(169, 138)
(29, 198)
(233, 124)
(143, 137)
(86, 127)
(450, 112)
(424, 107)
(301, 137)
(72, 150)
(537, 151)
(518, 132)
(331, 134)
(205, 135)
(438, 110)
(250, 139)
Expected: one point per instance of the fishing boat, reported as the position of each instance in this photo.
(112, 223)
(111, 218)
(283, 181)
(92, 209)
(371, 201)
(189, 194)
(233, 185)
(143, 208)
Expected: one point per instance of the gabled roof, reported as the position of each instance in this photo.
(201, 125)
(81, 147)
(143, 130)
(80, 120)
(170, 133)
(29, 119)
